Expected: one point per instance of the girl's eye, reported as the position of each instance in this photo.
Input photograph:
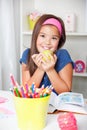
(55, 38)
(42, 35)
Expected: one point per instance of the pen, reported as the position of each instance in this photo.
(22, 91)
(16, 91)
(33, 88)
(12, 80)
(27, 90)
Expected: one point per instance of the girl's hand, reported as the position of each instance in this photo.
(37, 58)
(48, 64)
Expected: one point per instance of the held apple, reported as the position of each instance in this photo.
(47, 53)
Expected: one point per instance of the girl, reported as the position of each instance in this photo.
(48, 34)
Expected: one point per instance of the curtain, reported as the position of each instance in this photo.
(8, 43)
(86, 15)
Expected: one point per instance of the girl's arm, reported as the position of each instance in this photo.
(62, 81)
(36, 77)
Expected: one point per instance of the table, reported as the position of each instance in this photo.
(9, 121)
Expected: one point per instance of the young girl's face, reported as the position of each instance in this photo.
(48, 38)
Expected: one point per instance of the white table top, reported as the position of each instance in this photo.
(10, 122)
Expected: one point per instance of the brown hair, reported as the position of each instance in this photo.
(33, 50)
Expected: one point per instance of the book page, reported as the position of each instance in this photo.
(71, 98)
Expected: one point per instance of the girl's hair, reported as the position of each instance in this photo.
(33, 50)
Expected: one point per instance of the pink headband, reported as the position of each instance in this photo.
(54, 22)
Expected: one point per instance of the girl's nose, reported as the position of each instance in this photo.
(47, 41)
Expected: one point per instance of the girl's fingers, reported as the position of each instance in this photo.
(37, 59)
(34, 56)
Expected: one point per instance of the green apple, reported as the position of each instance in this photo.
(46, 53)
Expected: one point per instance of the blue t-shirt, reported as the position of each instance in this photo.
(63, 59)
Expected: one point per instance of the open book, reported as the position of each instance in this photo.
(68, 101)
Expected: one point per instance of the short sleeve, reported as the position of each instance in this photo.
(24, 57)
(63, 59)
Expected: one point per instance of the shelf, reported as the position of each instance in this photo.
(80, 74)
(76, 33)
(27, 33)
(68, 33)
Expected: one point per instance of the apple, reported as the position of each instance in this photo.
(47, 53)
